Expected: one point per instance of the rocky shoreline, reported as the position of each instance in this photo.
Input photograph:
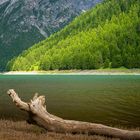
(78, 72)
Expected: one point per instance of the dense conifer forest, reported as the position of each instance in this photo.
(107, 36)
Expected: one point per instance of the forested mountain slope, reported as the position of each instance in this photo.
(26, 22)
(105, 36)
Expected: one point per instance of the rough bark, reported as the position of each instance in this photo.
(38, 115)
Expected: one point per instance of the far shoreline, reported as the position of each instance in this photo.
(77, 72)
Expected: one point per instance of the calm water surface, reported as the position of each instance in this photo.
(111, 100)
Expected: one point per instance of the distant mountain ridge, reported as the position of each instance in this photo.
(25, 22)
(107, 36)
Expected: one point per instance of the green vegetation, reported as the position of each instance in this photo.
(107, 36)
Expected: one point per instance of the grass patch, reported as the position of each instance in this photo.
(20, 130)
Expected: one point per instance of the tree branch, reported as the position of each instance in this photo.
(38, 115)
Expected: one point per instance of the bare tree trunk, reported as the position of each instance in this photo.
(38, 115)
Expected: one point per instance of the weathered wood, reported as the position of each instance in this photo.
(38, 115)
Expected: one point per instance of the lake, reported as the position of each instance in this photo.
(108, 99)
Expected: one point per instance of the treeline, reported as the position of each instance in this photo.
(105, 36)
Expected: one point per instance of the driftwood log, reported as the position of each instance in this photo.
(38, 115)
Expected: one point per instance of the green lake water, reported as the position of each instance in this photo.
(106, 99)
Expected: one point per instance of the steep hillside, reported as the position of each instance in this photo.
(25, 22)
(106, 36)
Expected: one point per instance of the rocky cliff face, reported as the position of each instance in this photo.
(25, 22)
